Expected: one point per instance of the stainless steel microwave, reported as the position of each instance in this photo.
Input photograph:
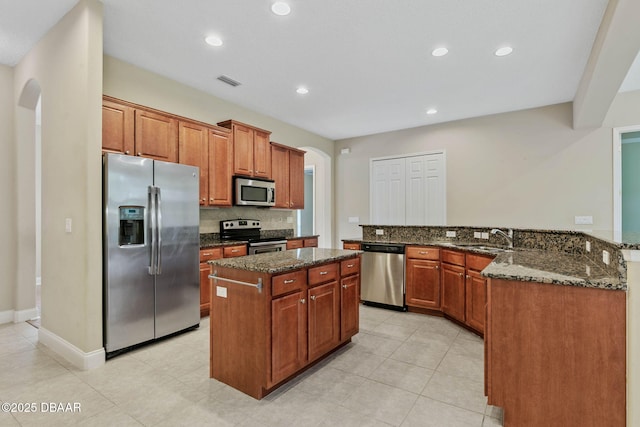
(254, 192)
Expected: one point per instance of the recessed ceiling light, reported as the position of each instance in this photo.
(431, 111)
(441, 51)
(281, 8)
(214, 40)
(504, 51)
(302, 90)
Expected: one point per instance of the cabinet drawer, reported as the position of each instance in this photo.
(288, 282)
(324, 273)
(295, 244)
(232, 251)
(209, 254)
(351, 246)
(478, 262)
(453, 257)
(311, 242)
(422, 252)
(350, 266)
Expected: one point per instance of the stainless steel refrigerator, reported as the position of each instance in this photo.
(151, 250)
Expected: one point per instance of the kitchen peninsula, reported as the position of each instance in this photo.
(556, 305)
(275, 314)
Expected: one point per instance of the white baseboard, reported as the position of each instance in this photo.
(24, 315)
(6, 316)
(73, 354)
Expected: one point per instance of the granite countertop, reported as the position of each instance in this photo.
(280, 262)
(551, 267)
(528, 265)
(217, 243)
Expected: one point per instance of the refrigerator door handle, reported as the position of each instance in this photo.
(159, 219)
(153, 230)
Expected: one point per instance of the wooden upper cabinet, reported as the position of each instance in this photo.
(156, 136)
(117, 128)
(288, 174)
(220, 168)
(193, 150)
(251, 150)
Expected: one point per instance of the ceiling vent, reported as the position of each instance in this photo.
(229, 81)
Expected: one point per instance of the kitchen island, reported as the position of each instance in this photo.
(275, 314)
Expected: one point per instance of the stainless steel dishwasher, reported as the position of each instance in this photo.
(383, 275)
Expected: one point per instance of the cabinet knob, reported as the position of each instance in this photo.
(312, 297)
(468, 277)
(350, 265)
(344, 286)
(286, 282)
(126, 152)
(302, 301)
(437, 267)
(211, 199)
(204, 200)
(460, 274)
(207, 254)
(139, 154)
(322, 273)
(422, 253)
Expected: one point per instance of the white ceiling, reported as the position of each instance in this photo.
(367, 63)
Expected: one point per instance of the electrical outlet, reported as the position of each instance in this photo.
(484, 236)
(379, 232)
(606, 257)
(588, 246)
(451, 233)
(477, 234)
(581, 220)
(588, 271)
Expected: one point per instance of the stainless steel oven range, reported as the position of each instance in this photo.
(249, 230)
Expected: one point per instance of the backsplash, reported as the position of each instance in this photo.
(572, 242)
(270, 219)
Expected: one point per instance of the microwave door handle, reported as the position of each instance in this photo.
(273, 195)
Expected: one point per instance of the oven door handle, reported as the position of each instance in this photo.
(258, 244)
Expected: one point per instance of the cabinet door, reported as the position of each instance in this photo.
(288, 335)
(242, 150)
(193, 150)
(234, 251)
(453, 299)
(476, 296)
(261, 155)
(349, 306)
(117, 128)
(423, 283)
(220, 169)
(296, 179)
(280, 174)
(324, 319)
(205, 288)
(156, 136)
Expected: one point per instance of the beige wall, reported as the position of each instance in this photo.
(522, 169)
(67, 65)
(7, 192)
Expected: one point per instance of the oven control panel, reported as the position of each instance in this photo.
(239, 224)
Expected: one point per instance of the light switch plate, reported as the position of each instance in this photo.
(581, 220)
(588, 246)
(379, 232)
(606, 257)
(451, 233)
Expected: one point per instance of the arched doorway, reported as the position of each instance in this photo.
(319, 163)
(28, 201)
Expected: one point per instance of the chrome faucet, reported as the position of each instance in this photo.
(508, 236)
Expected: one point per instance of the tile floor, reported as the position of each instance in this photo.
(402, 369)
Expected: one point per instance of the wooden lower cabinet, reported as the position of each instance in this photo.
(324, 319)
(288, 335)
(205, 282)
(309, 242)
(453, 287)
(260, 338)
(234, 251)
(555, 355)
(422, 277)
(476, 291)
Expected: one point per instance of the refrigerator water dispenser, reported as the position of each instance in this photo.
(131, 225)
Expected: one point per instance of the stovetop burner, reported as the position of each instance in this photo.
(245, 229)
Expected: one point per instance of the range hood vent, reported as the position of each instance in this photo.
(229, 81)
